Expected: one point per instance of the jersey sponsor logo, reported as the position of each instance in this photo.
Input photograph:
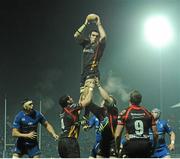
(30, 123)
(123, 112)
(23, 119)
(161, 125)
(137, 115)
(88, 50)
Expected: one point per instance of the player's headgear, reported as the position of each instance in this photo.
(156, 110)
(24, 105)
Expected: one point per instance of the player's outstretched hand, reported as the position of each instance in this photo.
(92, 18)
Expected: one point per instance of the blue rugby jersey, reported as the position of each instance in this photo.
(162, 128)
(27, 123)
(94, 121)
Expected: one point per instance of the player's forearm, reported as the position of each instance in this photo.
(50, 129)
(155, 134)
(104, 94)
(16, 133)
(88, 97)
(80, 31)
(117, 143)
(101, 32)
(118, 134)
(172, 137)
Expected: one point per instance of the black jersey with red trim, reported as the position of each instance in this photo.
(109, 131)
(69, 118)
(92, 53)
(112, 113)
(109, 111)
(137, 120)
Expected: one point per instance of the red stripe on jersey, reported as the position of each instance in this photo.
(127, 113)
(71, 114)
(145, 110)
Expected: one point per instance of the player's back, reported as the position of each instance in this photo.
(138, 121)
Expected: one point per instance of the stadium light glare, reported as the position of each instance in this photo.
(158, 31)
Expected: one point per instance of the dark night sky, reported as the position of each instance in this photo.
(40, 58)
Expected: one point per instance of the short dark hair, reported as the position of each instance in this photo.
(135, 97)
(63, 100)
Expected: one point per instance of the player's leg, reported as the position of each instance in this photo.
(62, 148)
(142, 150)
(82, 83)
(165, 152)
(87, 77)
(104, 148)
(18, 151)
(94, 150)
(112, 150)
(33, 151)
(15, 155)
(68, 148)
(36, 156)
(73, 148)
